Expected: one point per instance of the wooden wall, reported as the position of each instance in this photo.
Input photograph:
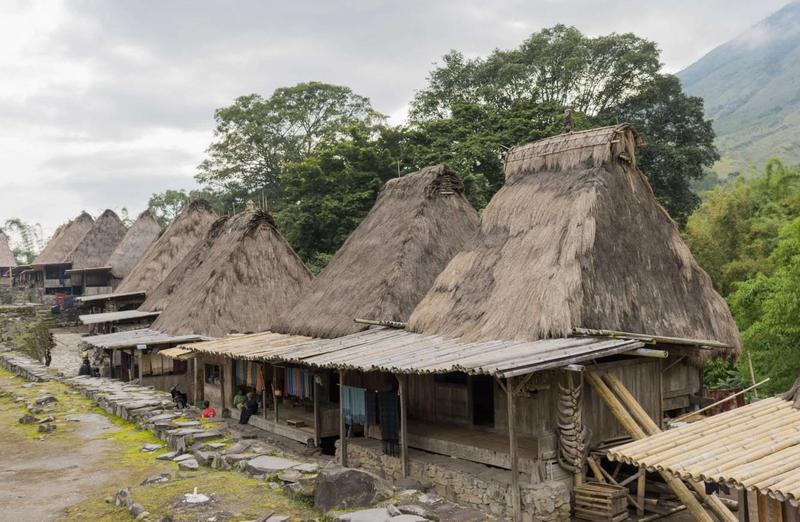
(681, 381)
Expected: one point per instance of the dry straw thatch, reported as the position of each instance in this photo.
(64, 240)
(416, 226)
(235, 281)
(97, 245)
(137, 240)
(7, 259)
(168, 250)
(575, 238)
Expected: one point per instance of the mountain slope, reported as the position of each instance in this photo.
(750, 86)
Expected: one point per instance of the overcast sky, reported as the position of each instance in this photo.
(104, 102)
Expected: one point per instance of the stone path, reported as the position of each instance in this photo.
(66, 353)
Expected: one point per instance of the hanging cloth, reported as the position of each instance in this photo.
(353, 408)
(371, 406)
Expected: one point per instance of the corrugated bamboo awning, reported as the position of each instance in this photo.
(133, 338)
(181, 354)
(399, 351)
(104, 297)
(111, 317)
(756, 447)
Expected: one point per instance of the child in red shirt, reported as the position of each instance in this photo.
(209, 412)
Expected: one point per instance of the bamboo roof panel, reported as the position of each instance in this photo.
(756, 447)
(145, 336)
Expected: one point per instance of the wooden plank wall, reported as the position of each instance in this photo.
(680, 382)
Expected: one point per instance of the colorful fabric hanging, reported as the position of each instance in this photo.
(354, 405)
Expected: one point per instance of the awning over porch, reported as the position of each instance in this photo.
(114, 317)
(403, 352)
(108, 297)
(145, 336)
(181, 354)
(756, 447)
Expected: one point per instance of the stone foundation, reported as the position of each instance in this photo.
(482, 487)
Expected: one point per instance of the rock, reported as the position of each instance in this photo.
(185, 456)
(136, 509)
(239, 447)
(28, 419)
(411, 509)
(367, 515)
(188, 465)
(212, 434)
(124, 498)
(168, 456)
(290, 475)
(277, 518)
(46, 428)
(204, 457)
(409, 483)
(430, 498)
(47, 419)
(266, 465)
(393, 511)
(165, 518)
(294, 490)
(409, 518)
(152, 447)
(308, 467)
(143, 515)
(45, 399)
(156, 479)
(344, 488)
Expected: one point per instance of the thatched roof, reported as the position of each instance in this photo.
(7, 259)
(793, 395)
(416, 226)
(191, 225)
(97, 245)
(235, 281)
(137, 240)
(64, 240)
(575, 239)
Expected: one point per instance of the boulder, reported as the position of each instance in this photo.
(409, 518)
(45, 399)
(204, 457)
(345, 488)
(124, 498)
(45, 428)
(168, 456)
(367, 515)
(412, 509)
(156, 479)
(28, 419)
(267, 465)
(188, 465)
(185, 456)
(290, 475)
(151, 447)
(308, 467)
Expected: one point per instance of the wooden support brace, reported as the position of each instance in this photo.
(630, 425)
(516, 501)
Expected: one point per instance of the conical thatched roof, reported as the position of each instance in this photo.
(416, 226)
(575, 239)
(236, 281)
(167, 251)
(7, 259)
(64, 240)
(133, 246)
(97, 245)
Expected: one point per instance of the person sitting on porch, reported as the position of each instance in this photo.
(250, 408)
(239, 398)
(208, 412)
(86, 368)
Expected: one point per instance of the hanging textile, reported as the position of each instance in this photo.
(371, 406)
(389, 419)
(353, 407)
(260, 378)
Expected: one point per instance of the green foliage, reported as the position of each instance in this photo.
(735, 230)
(721, 373)
(30, 239)
(36, 339)
(165, 206)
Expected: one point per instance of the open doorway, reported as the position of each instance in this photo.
(482, 401)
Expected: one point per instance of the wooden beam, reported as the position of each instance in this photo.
(195, 387)
(402, 391)
(274, 392)
(630, 425)
(317, 414)
(649, 352)
(640, 485)
(516, 502)
(264, 391)
(651, 428)
(342, 428)
(595, 467)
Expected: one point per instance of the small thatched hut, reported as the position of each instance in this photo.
(7, 261)
(167, 251)
(575, 239)
(416, 226)
(235, 281)
(63, 242)
(99, 242)
(133, 246)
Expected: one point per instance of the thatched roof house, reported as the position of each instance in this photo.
(416, 226)
(7, 259)
(575, 239)
(133, 246)
(97, 245)
(168, 250)
(64, 240)
(235, 281)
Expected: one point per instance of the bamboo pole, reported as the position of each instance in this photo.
(274, 392)
(401, 381)
(317, 415)
(651, 428)
(516, 502)
(752, 373)
(726, 399)
(640, 484)
(630, 425)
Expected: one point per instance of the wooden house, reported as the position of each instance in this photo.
(88, 270)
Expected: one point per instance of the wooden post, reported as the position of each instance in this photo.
(195, 372)
(742, 511)
(264, 389)
(651, 428)
(139, 365)
(222, 387)
(630, 425)
(640, 484)
(317, 415)
(401, 380)
(342, 428)
(274, 394)
(512, 440)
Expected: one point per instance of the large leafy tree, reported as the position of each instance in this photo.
(256, 137)
(29, 239)
(330, 191)
(475, 109)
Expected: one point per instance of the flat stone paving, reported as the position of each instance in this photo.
(66, 353)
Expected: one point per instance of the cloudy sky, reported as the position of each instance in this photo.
(103, 102)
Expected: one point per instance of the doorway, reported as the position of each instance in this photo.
(483, 401)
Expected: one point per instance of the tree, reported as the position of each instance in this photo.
(330, 191)
(679, 141)
(256, 137)
(165, 206)
(485, 105)
(30, 239)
